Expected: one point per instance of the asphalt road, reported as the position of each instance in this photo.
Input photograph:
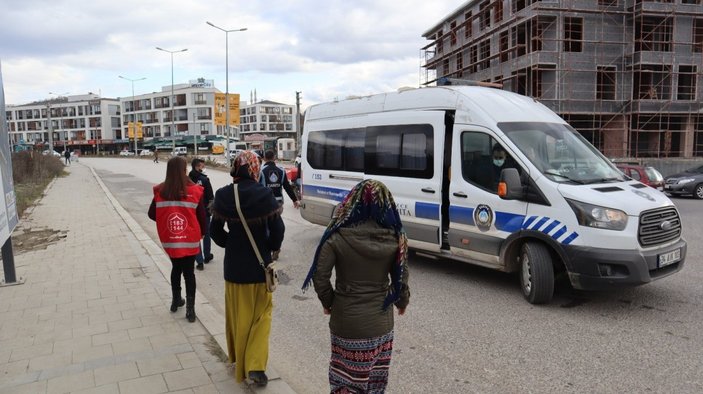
(468, 329)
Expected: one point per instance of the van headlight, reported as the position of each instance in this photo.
(598, 217)
(685, 180)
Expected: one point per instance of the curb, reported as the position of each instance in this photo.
(207, 315)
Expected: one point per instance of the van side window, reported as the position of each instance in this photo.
(400, 150)
(336, 149)
(634, 174)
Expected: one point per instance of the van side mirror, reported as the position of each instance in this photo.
(510, 186)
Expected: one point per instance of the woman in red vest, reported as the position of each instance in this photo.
(179, 212)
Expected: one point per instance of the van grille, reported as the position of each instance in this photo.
(653, 229)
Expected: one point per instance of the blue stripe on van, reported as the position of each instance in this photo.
(570, 238)
(559, 233)
(529, 221)
(461, 215)
(427, 210)
(540, 223)
(551, 226)
(329, 193)
(509, 222)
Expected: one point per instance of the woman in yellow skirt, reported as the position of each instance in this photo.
(247, 302)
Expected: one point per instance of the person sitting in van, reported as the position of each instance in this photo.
(487, 173)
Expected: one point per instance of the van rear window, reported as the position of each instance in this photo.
(395, 150)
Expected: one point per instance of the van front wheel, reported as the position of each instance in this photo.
(536, 273)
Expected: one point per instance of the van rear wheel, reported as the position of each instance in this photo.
(536, 273)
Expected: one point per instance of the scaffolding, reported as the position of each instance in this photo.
(624, 73)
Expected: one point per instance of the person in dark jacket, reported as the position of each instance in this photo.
(67, 156)
(248, 305)
(275, 178)
(179, 213)
(199, 178)
(365, 244)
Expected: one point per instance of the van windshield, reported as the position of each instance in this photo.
(561, 153)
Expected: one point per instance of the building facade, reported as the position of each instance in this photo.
(79, 122)
(198, 109)
(625, 73)
(269, 119)
(91, 124)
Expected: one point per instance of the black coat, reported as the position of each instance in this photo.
(201, 179)
(262, 214)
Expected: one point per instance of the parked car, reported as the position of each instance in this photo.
(687, 182)
(51, 152)
(126, 153)
(179, 151)
(647, 175)
(146, 152)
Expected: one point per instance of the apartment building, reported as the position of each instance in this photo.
(198, 109)
(90, 123)
(625, 73)
(79, 122)
(269, 119)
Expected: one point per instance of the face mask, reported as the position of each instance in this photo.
(498, 162)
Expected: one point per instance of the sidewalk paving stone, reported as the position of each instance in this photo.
(92, 316)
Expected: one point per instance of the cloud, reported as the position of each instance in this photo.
(327, 49)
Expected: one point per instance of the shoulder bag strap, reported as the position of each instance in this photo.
(246, 227)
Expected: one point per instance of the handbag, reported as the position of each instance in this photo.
(270, 272)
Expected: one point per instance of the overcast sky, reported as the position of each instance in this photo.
(326, 48)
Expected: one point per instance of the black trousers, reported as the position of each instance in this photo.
(185, 266)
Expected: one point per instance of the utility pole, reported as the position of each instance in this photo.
(297, 119)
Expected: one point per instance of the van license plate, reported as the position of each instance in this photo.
(669, 258)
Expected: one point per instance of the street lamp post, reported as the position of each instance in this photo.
(195, 137)
(227, 81)
(173, 114)
(134, 110)
(51, 128)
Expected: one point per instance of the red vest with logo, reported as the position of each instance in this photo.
(177, 222)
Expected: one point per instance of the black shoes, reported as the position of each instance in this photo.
(199, 267)
(190, 309)
(259, 378)
(177, 302)
(209, 258)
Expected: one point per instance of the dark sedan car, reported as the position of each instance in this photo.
(687, 182)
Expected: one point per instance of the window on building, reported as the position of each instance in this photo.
(537, 36)
(459, 63)
(608, 3)
(473, 58)
(440, 41)
(484, 18)
(467, 24)
(573, 34)
(452, 33)
(652, 82)
(686, 83)
(484, 53)
(498, 11)
(518, 5)
(519, 36)
(445, 67)
(504, 47)
(605, 83)
(698, 35)
(519, 81)
(653, 33)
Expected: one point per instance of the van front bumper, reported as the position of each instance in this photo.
(596, 269)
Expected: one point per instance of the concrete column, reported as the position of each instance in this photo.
(615, 136)
(689, 131)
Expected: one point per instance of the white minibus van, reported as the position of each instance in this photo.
(496, 179)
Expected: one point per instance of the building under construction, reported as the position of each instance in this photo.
(625, 73)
